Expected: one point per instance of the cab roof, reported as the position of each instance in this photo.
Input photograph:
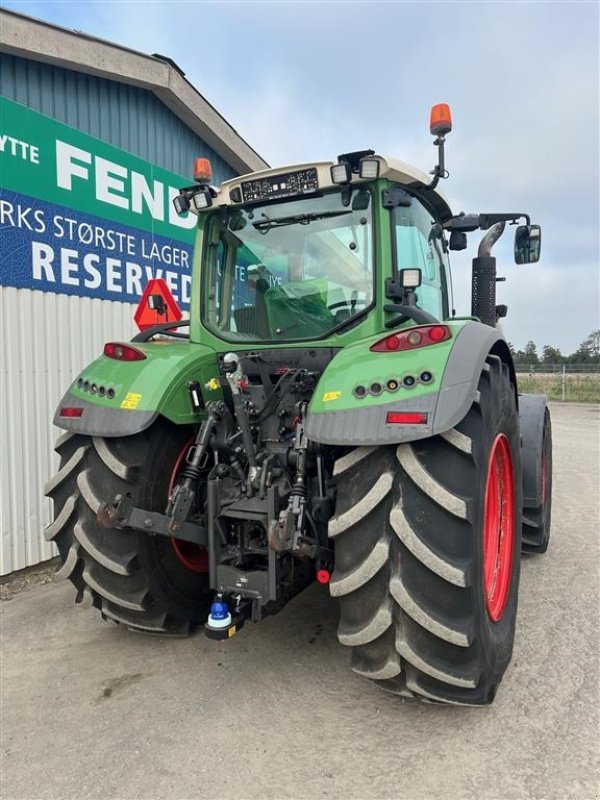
(409, 177)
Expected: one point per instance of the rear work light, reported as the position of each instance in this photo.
(368, 168)
(341, 173)
(406, 418)
(70, 411)
(123, 352)
(412, 338)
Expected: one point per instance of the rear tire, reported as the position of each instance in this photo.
(132, 577)
(536, 521)
(427, 606)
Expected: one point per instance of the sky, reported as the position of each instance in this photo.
(305, 81)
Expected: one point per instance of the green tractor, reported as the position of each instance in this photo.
(326, 417)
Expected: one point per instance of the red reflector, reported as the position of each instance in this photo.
(323, 576)
(123, 352)
(69, 411)
(412, 338)
(406, 418)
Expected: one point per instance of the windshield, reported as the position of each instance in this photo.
(292, 270)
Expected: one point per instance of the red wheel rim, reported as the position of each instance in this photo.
(191, 555)
(498, 528)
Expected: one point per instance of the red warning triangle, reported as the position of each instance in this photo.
(157, 305)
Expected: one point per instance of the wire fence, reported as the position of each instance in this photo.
(567, 383)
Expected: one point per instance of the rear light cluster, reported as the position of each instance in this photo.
(94, 388)
(123, 352)
(393, 384)
(413, 338)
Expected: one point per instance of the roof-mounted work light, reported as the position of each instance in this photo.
(181, 203)
(368, 168)
(202, 200)
(341, 173)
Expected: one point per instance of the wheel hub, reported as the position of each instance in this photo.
(498, 528)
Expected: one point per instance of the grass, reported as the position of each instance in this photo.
(578, 388)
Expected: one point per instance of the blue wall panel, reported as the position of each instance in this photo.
(125, 116)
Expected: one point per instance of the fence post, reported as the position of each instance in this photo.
(564, 382)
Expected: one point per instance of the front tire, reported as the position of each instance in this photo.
(427, 546)
(132, 577)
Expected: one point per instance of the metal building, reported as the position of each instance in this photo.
(94, 140)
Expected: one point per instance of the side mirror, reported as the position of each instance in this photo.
(528, 243)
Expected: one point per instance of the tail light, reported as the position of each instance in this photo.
(406, 418)
(123, 352)
(70, 411)
(411, 339)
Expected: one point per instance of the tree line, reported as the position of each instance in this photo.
(588, 352)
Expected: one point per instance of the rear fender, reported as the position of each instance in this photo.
(532, 412)
(143, 390)
(336, 416)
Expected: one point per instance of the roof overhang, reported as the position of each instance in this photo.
(42, 41)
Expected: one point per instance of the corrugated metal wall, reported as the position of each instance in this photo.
(47, 338)
(127, 117)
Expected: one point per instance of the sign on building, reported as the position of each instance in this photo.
(80, 217)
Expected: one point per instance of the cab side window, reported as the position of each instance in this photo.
(415, 248)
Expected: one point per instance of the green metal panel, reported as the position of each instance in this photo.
(157, 383)
(356, 366)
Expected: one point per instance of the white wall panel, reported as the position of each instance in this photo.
(47, 339)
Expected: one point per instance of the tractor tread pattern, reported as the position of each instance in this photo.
(340, 524)
(103, 563)
(408, 617)
(429, 485)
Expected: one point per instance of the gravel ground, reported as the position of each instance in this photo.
(92, 711)
(25, 579)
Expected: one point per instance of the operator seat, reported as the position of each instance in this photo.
(253, 319)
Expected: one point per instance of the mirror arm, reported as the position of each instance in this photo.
(487, 220)
(472, 222)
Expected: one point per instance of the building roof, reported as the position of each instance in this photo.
(37, 40)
